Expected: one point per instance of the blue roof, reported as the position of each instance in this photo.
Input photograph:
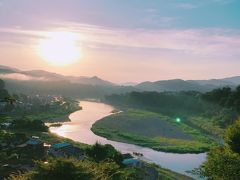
(60, 145)
(130, 161)
(34, 141)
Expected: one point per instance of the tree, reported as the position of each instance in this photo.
(224, 162)
(232, 137)
(100, 153)
(63, 169)
(29, 124)
(57, 169)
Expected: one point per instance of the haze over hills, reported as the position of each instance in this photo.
(50, 76)
(186, 85)
(40, 81)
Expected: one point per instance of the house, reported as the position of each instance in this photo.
(66, 150)
(34, 146)
(132, 162)
(34, 143)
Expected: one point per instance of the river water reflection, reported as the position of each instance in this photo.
(79, 129)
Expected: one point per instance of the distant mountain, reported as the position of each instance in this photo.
(49, 76)
(172, 85)
(6, 69)
(40, 81)
(214, 82)
(235, 80)
(189, 85)
(43, 74)
(89, 80)
(129, 84)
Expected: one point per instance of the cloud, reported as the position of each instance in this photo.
(199, 41)
(21, 77)
(208, 41)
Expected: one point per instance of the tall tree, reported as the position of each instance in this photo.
(232, 137)
(224, 162)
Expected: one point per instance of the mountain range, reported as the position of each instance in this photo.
(38, 81)
(50, 76)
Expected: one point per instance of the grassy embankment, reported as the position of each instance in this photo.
(153, 130)
(57, 115)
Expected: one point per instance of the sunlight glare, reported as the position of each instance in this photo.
(59, 48)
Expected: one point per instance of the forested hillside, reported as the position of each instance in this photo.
(221, 105)
(171, 121)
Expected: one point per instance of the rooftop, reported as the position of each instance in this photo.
(33, 141)
(130, 161)
(61, 145)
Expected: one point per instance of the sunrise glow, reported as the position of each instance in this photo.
(59, 48)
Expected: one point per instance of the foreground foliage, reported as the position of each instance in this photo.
(99, 153)
(224, 162)
(152, 130)
(62, 169)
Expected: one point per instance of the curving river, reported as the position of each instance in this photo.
(79, 129)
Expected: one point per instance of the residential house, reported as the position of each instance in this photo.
(66, 150)
(132, 162)
(34, 146)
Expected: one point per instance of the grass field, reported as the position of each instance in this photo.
(153, 130)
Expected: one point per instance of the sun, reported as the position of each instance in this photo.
(59, 48)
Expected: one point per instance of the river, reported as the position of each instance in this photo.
(79, 129)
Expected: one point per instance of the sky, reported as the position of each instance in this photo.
(127, 40)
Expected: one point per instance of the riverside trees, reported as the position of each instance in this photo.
(224, 162)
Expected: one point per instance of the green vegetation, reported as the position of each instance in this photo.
(232, 137)
(173, 104)
(223, 162)
(220, 106)
(166, 174)
(171, 121)
(28, 125)
(100, 153)
(228, 99)
(152, 130)
(56, 111)
(61, 169)
(26, 119)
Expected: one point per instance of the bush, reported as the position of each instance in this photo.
(100, 153)
(63, 169)
(224, 162)
(29, 124)
(232, 137)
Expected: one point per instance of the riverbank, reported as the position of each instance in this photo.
(152, 130)
(50, 138)
(63, 115)
(60, 119)
(79, 130)
(163, 173)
